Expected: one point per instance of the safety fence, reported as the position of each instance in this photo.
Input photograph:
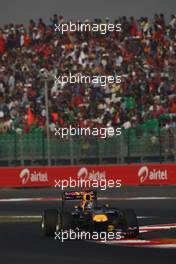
(132, 146)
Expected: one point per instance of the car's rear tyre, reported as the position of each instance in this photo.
(50, 222)
(130, 223)
(66, 221)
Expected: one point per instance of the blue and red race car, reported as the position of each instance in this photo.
(88, 216)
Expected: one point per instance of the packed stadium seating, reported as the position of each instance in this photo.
(143, 53)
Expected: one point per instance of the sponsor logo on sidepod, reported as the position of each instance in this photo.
(32, 176)
(85, 174)
(153, 175)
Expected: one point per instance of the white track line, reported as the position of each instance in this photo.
(162, 246)
(157, 227)
(45, 199)
(140, 243)
(137, 198)
(21, 216)
(127, 241)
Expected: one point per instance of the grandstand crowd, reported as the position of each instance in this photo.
(143, 53)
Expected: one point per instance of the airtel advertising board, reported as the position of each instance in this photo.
(28, 176)
(138, 174)
(87, 174)
(152, 175)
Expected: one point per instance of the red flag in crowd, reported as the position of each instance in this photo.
(30, 116)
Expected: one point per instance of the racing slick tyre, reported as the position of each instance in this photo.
(66, 221)
(50, 222)
(130, 223)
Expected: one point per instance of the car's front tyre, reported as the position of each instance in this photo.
(130, 223)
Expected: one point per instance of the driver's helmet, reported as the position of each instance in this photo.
(87, 202)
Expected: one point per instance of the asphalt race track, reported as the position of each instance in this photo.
(21, 239)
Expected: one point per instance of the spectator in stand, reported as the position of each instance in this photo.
(144, 53)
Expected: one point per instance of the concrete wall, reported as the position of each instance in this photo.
(20, 11)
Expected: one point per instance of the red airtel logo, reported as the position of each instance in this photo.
(145, 173)
(85, 174)
(25, 176)
(32, 176)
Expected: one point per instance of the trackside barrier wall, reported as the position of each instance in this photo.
(134, 175)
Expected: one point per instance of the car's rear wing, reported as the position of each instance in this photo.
(78, 195)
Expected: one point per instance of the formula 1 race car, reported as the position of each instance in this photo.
(88, 216)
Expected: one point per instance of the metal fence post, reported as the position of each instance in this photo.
(160, 146)
(15, 149)
(47, 121)
(71, 150)
(128, 144)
